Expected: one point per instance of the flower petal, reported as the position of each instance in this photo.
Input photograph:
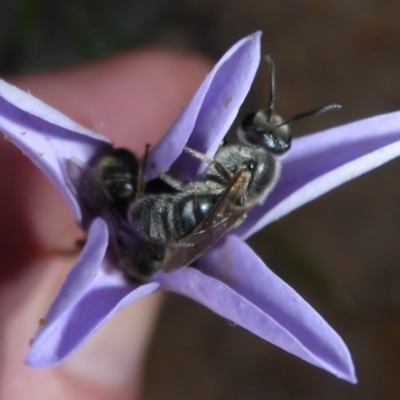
(206, 119)
(233, 282)
(83, 272)
(320, 162)
(91, 294)
(46, 136)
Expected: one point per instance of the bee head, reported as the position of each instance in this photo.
(273, 134)
(267, 129)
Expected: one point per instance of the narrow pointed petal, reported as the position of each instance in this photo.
(91, 294)
(206, 119)
(233, 282)
(320, 162)
(46, 136)
(83, 273)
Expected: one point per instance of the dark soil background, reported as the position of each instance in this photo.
(341, 252)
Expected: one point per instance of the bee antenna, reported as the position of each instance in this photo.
(271, 86)
(312, 113)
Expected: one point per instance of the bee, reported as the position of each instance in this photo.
(106, 187)
(184, 224)
(110, 182)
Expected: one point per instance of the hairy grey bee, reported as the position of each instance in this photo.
(186, 223)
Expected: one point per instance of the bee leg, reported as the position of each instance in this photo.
(199, 156)
(141, 184)
(217, 165)
(168, 179)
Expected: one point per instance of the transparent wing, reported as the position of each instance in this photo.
(224, 216)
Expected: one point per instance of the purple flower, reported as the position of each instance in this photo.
(229, 279)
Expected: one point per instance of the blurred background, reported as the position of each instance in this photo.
(341, 252)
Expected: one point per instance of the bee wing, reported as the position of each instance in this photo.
(87, 186)
(224, 216)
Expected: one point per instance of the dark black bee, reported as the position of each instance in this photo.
(109, 182)
(106, 187)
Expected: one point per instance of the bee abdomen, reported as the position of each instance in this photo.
(192, 211)
(167, 218)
